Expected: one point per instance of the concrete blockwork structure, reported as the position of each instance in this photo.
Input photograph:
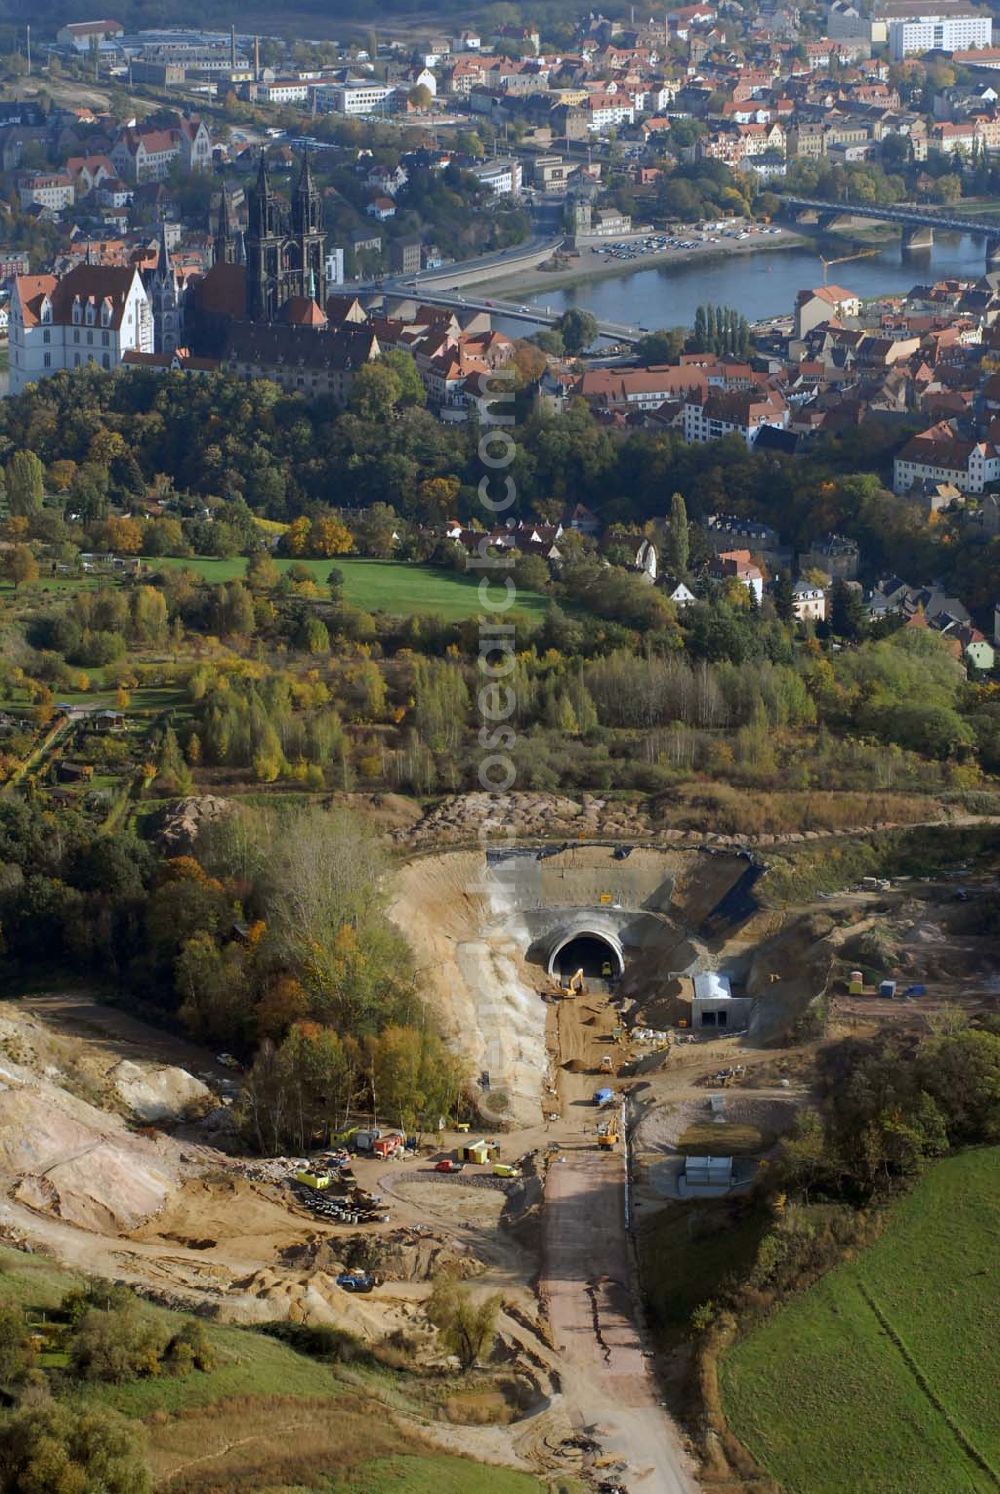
(708, 1174)
(715, 1006)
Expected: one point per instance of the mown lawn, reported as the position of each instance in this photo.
(825, 1398)
(377, 585)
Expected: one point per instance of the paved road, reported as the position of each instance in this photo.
(606, 1379)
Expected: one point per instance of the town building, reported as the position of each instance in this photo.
(93, 315)
(942, 27)
(739, 565)
(356, 99)
(735, 413)
(53, 190)
(823, 304)
(938, 455)
(502, 176)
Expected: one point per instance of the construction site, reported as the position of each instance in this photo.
(637, 1026)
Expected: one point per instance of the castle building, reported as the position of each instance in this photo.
(93, 315)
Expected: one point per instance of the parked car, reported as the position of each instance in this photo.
(356, 1281)
(448, 1164)
(505, 1170)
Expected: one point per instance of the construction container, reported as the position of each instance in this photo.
(317, 1180)
(887, 989)
(478, 1152)
(856, 983)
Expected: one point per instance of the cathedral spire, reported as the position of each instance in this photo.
(163, 265)
(223, 231)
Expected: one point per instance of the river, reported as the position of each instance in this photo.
(762, 284)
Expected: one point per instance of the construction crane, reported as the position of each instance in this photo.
(845, 259)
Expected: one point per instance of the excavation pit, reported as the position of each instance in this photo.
(492, 935)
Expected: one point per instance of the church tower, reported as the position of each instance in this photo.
(224, 240)
(166, 304)
(266, 275)
(309, 239)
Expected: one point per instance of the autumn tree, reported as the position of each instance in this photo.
(466, 1327)
(437, 498)
(50, 1445)
(262, 572)
(375, 392)
(295, 540)
(20, 565)
(411, 385)
(329, 536)
(121, 535)
(25, 483)
(61, 474)
(16, 1355)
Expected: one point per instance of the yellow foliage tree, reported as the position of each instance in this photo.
(328, 536)
(296, 540)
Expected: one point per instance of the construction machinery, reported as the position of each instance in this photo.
(607, 1135)
(574, 986)
(607, 1064)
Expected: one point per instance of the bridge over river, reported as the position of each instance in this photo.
(918, 224)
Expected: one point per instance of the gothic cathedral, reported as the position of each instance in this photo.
(285, 251)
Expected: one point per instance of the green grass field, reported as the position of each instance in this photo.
(828, 1401)
(377, 585)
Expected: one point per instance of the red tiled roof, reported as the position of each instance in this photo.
(31, 289)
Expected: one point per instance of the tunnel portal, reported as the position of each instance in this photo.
(586, 949)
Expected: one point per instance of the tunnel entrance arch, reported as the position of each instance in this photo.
(586, 949)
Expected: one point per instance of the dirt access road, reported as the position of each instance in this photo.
(607, 1381)
(605, 1376)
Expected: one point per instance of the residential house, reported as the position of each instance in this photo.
(739, 564)
(682, 596)
(823, 304)
(808, 602)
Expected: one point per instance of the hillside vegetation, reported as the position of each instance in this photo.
(887, 1365)
(248, 1412)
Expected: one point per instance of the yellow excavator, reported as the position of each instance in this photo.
(574, 986)
(607, 1135)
